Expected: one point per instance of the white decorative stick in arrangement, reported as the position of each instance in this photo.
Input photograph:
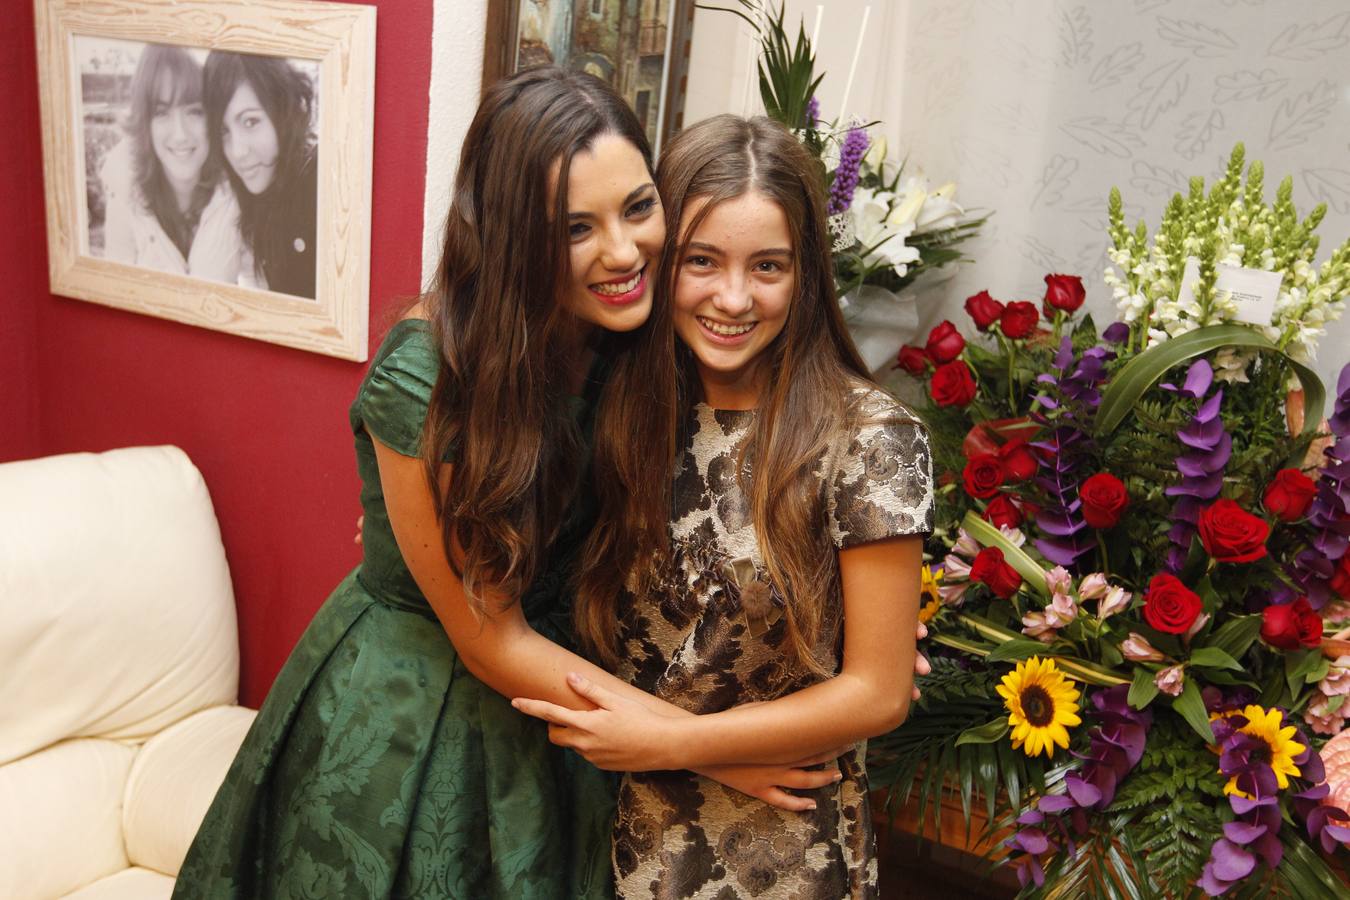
(853, 67)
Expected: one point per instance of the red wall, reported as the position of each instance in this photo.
(267, 425)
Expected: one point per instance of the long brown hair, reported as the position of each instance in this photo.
(806, 406)
(184, 74)
(495, 310)
(287, 97)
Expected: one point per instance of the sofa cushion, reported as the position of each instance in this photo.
(128, 884)
(115, 596)
(172, 782)
(61, 818)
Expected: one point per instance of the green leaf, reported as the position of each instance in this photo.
(1214, 658)
(1142, 372)
(989, 536)
(1302, 667)
(1335, 703)
(1017, 648)
(987, 733)
(1191, 707)
(1143, 689)
(1236, 635)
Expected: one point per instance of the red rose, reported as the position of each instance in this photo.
(1340, 579)
(1291, 625)
(1018, 462)
(983, 475)
(1063, 292)
(1002, 512)
(984, 437)
(952, 384)
(1019, 319)
(1288, 495)
(913, 360)
(1231, 534)
(945, 343)
(989, 568)
(984, 309)
(1104, 499)
(1169, 605)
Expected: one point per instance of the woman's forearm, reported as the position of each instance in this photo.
(837, 712)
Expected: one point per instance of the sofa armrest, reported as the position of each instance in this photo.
(173, 781)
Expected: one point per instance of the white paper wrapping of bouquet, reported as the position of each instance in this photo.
(883, 321)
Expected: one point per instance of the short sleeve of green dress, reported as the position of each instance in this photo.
(378, 765)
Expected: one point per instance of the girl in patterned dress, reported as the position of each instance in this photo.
(767, 579)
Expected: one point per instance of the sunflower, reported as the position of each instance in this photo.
(1280, 748)
(931, 580)
(1041, 703)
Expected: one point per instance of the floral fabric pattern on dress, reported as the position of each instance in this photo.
(711, 634)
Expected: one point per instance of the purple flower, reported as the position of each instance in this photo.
(1116, 744)
(1329, 513)
(1201, 466)
(812, 114)
(846, 173)
(1065, 410)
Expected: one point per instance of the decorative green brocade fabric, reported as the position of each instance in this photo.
(378, 766)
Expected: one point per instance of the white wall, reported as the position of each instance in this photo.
(458, 32)
(1038, 107)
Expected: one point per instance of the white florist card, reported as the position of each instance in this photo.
(1254, 291)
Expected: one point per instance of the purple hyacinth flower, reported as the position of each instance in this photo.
(846, 173)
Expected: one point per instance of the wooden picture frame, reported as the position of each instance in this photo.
(665, 23)
(109, 244)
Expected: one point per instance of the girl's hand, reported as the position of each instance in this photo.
(618, 734)
(768, 783)
(921, 665)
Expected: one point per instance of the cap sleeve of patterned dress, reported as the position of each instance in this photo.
(881, 482)
(397, 391)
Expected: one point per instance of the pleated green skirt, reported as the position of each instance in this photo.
(379, 767)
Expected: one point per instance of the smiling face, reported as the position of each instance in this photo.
(249, 139)
(733, 289)
(177, 133)
(615, 232)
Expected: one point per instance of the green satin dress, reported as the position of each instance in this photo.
(378, 766)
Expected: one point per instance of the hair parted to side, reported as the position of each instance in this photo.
(496, 311)
(813, 370)
(158, 63)
(288, 99)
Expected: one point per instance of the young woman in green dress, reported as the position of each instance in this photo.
(386, 761)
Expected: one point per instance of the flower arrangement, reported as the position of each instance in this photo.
(889, 225)
(1141, 545)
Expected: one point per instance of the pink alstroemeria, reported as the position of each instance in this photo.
(1199, 623)
(1321, 718)
(1093, 587)
(1058, 580)
(1170, 681)
(1117, 599)
(965, 546)
(1064, 608)
(1040, 626)
(1136, 648)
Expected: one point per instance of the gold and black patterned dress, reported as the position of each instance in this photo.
(711, 636)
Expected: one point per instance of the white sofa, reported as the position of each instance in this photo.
(119, 671)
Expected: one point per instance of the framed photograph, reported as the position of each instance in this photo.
(209, 162)
(641, 47)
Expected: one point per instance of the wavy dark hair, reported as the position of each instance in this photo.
(495, 307)
(806, 407)
(288, 99)
(184, 74)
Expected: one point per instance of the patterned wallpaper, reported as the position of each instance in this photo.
(1037, 107)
